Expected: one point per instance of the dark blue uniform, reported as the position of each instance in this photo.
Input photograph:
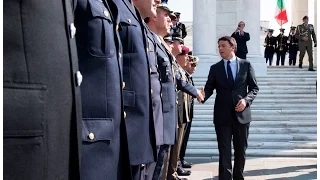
(281, 49)
(270, 43)
(293, 49)
(137, 92)
(100, 62)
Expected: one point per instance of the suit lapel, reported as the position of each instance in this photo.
(238, 70)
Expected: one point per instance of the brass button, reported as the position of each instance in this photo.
(129, 20)
(91, 136)
(177, 102)
(124, 114)
(161, 94)
(123, 85)
(106, 13)
(147, 49)
(117, 27)
(151, 91)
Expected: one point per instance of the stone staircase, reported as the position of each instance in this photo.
(284, 117)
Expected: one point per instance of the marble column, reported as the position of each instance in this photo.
(249, 12)
(299, 10)
(204, 35)
(315, 29)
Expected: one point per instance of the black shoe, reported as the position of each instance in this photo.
(182, 172)
(185, 164)
(311, 69)
(300, 66)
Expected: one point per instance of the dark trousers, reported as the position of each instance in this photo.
(293, 58)
(281, 55)
(159, 165)
(241, 55)
(185, 140)
(269, 58)
(238, 133)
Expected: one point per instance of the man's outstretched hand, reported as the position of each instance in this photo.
(201, 95)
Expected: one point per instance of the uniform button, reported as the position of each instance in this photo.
(120, 55)
(151, 91)
(117, 27)
(124, 114)
(150, 70)
(91, 136)
(123, 85)
(147, 49)
(106, 13)
(72, 30)
(79, 78)
(177, 101)
(129, 20)
(161, 94)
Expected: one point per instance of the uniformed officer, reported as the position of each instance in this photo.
(292, 46)
(100, 62)
(304, 33)
(190, 69)
(137, 92)
(269, 44)
(281, 47)
(41, 91)
(178, 27)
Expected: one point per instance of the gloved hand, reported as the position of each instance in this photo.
(315, 44)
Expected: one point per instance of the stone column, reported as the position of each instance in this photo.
(315, 29)
(204, 35)
(249, 12)
(299, 10)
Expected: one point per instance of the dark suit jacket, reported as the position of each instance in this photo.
(41, 93)
(156, 88)
(98, 49)
(241, 42)
(245, 87)
(137, 92)
(168, 93)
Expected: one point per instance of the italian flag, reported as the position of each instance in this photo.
(281, 13)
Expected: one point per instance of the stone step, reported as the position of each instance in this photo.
(275, 76)
(287, 67)
(262, 130)
(260, 137)
(269, 100)
(267, 79)
(271, 123)
(286, 96)
(264, 117)
(272, 83)
(276, 91)
(256, 153)
(300, 112)
(257, 145)
(265, 106)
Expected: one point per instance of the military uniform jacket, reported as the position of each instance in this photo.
(306, 31)
(100, 62)
(293, 42)
(282, 41)
(137, 91)
(180, 29)
(270, 43)
(155, 88)
(41, 93)
(169, 98)
(191, 99)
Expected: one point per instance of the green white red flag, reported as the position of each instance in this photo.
(281, 13)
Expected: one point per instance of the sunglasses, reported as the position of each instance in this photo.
(193, 65)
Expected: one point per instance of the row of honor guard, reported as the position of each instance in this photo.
(292, 43)
(129, 89)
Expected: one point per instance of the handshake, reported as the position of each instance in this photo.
(201, 95)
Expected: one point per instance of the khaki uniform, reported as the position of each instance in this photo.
(306, 31)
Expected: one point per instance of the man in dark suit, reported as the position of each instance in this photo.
(137, 92)
(281, 47)
(241, 38)
(190, 69)
(41, 91)
(103, 133)
(236, 86)
(178, 27)
(293, 47)
(269, 44)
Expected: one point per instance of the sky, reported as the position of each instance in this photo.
(267, 11)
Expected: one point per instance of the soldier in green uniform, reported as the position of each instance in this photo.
(304, 33)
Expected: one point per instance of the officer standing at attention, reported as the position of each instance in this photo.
(178, 27)
(293, 47)
(103, 131)
(281, 48)
(269, 44)
(137, 91)
(304, 33)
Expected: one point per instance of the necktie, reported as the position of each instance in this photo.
(230, 76)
